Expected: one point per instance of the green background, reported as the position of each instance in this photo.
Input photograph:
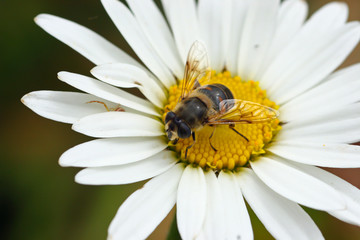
(39, 199)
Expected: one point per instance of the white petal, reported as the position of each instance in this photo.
(158, 33)
(130, 29)
(129, 76)
(88, 43)
(291, 16)
(296, 185)
(128, 173)
(319, 154)
(235, 13)
(324, 56)
(183, 22)
(233, 27)
(67, 107)
(349, 192)
(284, 219)
(325, 113)
(330, 16)
(338, 90)
(114, 151)
(350, 215)
(143, 211)
(259, 28)
(214, 224)
(337, 131)
(118, 124)
(191, 202)
(323, 23)
(225, 21)
(237, 220)
(107, 92)
(210, 25)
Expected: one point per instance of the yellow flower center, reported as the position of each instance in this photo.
(232, 150)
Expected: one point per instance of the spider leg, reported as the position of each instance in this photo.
(117, 109)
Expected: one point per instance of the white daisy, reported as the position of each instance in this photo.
(263, 45)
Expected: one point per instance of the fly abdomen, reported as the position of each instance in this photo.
(216, 93)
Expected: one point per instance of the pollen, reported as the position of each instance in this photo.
(226, 149)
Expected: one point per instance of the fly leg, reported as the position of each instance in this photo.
(232, 127)
(188, 147)
(212, 134)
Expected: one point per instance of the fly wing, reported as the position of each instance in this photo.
(234, 111)
(197, 67)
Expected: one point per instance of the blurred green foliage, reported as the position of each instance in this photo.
(39, 199)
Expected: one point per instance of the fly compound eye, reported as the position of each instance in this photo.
(177, 120)
(184, 130)
(169, 116)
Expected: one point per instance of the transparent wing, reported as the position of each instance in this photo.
(197, 66)
(234, 111)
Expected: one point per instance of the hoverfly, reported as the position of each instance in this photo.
(211, 104)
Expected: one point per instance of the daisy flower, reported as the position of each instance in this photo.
(264, 52)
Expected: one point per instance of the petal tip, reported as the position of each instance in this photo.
(28, 99)
(104, 2)
(95, 71)
(338, 3)
(43, 18)
(60, 75)
(63, 161)
(75, 126)
(343, 5)
(38, 18)
(78, 127)
(25, 99)
(79, 178)
(63, 76)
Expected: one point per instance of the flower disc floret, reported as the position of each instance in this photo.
(232, 150)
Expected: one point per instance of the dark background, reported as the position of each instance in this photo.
(39, 199)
